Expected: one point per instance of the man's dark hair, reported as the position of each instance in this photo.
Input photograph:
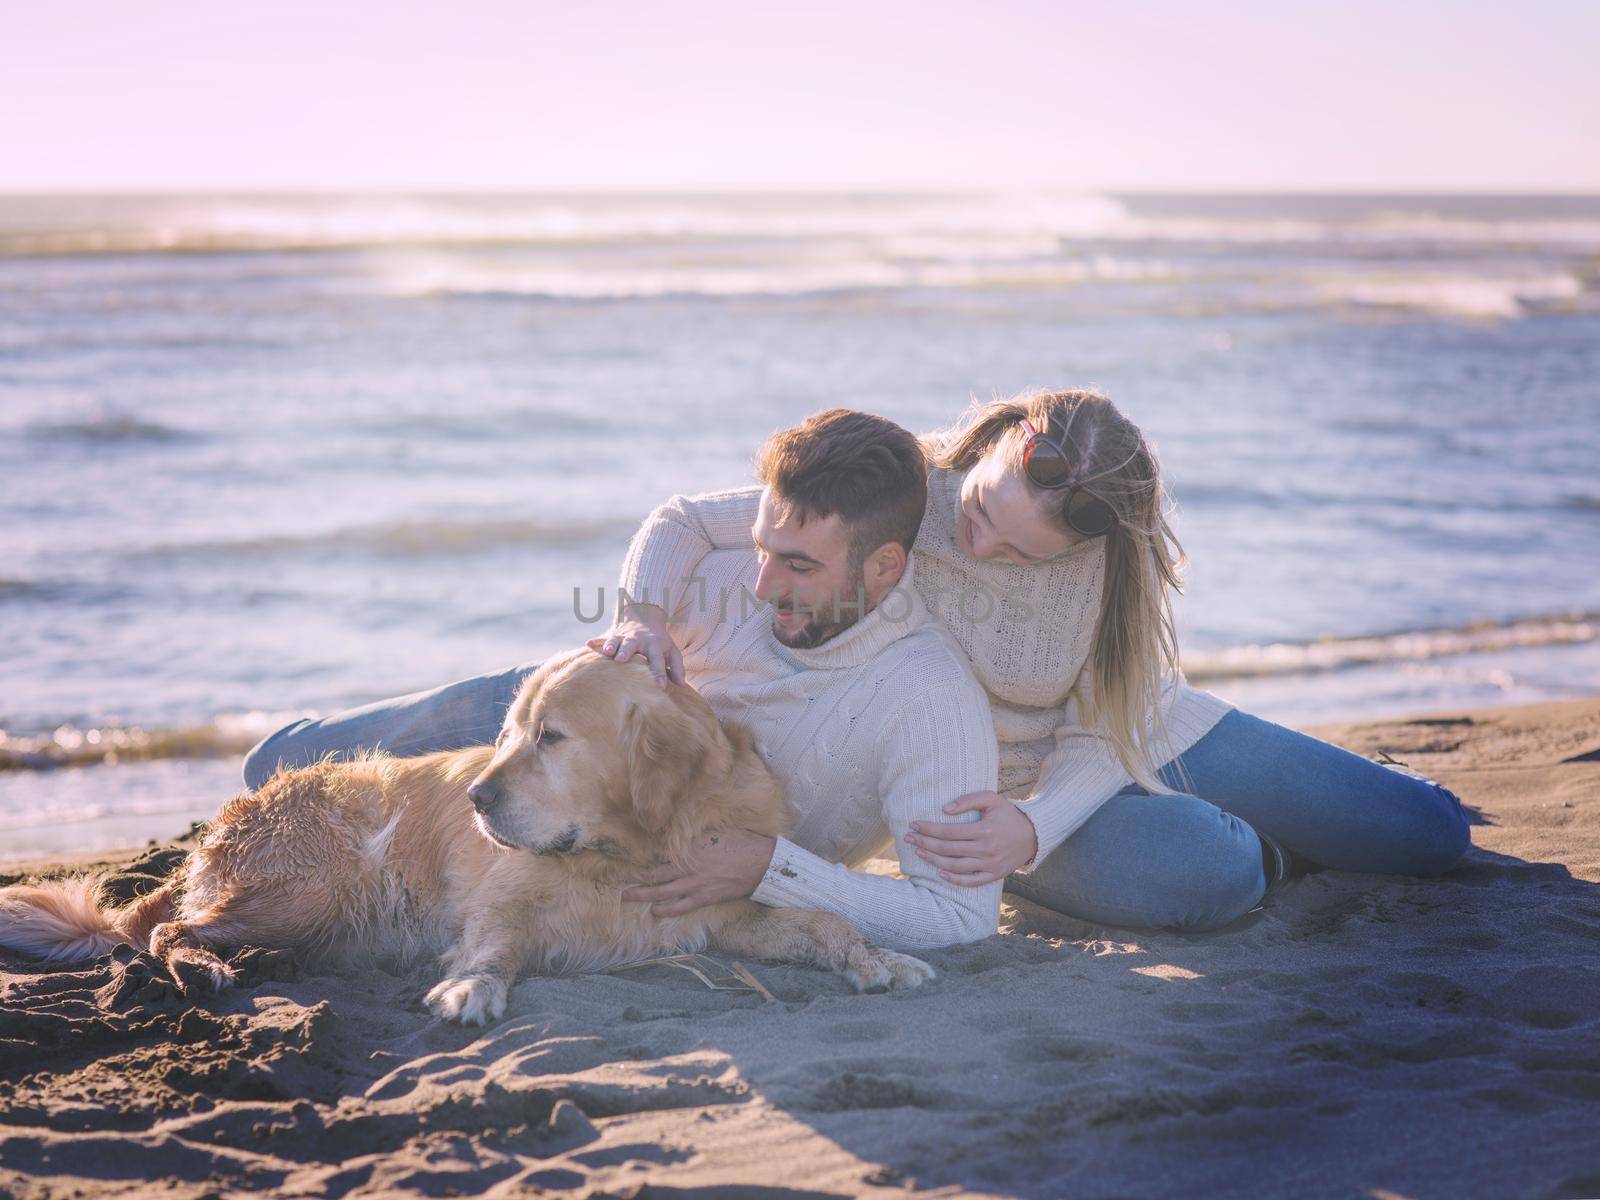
(864, 467)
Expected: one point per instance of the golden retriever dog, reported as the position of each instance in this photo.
(494, 860)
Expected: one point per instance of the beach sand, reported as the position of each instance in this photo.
(1363, 1036)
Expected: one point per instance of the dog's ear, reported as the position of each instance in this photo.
(664, 747)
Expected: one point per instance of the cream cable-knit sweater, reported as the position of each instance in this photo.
(879, 727)
(1027, 631)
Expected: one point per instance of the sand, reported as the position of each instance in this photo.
(1364, 1036)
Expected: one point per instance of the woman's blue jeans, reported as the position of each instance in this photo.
(1191, 860)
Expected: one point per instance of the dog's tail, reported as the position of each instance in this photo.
(64, 919)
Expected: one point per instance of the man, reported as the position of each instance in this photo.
(857, 699)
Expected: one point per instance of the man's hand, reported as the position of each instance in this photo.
(999, 842)
(725, 865)
(642, 629)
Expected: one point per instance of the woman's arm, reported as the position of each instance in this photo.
(1080, 775)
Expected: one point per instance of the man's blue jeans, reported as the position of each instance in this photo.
(1190, 860)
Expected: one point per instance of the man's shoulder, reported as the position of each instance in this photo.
(928, 658)
(721, 579)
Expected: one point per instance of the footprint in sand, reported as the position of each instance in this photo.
(1200, 1011)
(1035, 1048)
(1371, 1054)
(1569, 1085)
(1579, 1187)
(1589, 931)
(1422, 989)
(850, 1090)
(1556, 996)
(1513, 1099)
(856, 1032)
(1198, 1052)
(1563, 1058)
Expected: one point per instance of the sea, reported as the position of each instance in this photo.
(268, 455)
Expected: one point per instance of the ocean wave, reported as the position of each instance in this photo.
(1474, 296)
(402, 538)
(11, 588)
(108, 428)
(927, 225)
(1386, 504)
(1387, 232)
(71, 746)
(1339, 654)
(797, 279)
(234, 734)
(198, 224)
(120, 808)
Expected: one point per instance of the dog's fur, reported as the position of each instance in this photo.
(599, 775)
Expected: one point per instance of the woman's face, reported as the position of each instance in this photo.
(1002, 521)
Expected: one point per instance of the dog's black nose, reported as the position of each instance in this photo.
(482, 795)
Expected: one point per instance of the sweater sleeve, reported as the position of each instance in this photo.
(1080, 774)
(939, 746)
(1084, 770)
(678, 534)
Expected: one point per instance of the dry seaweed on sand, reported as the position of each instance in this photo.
(734, 978)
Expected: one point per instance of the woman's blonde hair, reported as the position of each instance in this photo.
(1135, 642)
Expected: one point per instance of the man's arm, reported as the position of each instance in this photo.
(939, 745)
(678, 534)
(656, 571)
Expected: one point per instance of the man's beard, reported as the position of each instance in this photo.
(822, 625)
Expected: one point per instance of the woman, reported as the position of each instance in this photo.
(1128, 797)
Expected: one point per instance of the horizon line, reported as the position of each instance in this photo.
(879, 189)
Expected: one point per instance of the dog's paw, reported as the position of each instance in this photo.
(198, 972)
(883, 970)
(907, 972)
(472, 1000)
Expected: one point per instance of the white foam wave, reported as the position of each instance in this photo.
(1336, 654)
(1477, 296)
(421, 536)
(443, 278)
(320, 222)
(69, 745)
(1383, 230)
(1015, 224)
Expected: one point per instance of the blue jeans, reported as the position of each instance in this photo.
(1191, 860)
(466, 713)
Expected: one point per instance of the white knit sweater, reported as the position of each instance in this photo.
(1028, 632)
(875, 729)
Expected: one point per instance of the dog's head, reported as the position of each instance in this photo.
(595, 756)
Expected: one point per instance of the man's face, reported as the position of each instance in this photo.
(805, 568)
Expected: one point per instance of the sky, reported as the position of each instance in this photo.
(523, 94)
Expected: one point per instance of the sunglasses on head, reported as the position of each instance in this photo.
(1045, 464)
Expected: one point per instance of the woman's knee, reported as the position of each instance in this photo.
(1222, 877)
(1153, 862)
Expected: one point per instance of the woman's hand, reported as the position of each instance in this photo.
(725, 865)
(642, 629)
(999, 842)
